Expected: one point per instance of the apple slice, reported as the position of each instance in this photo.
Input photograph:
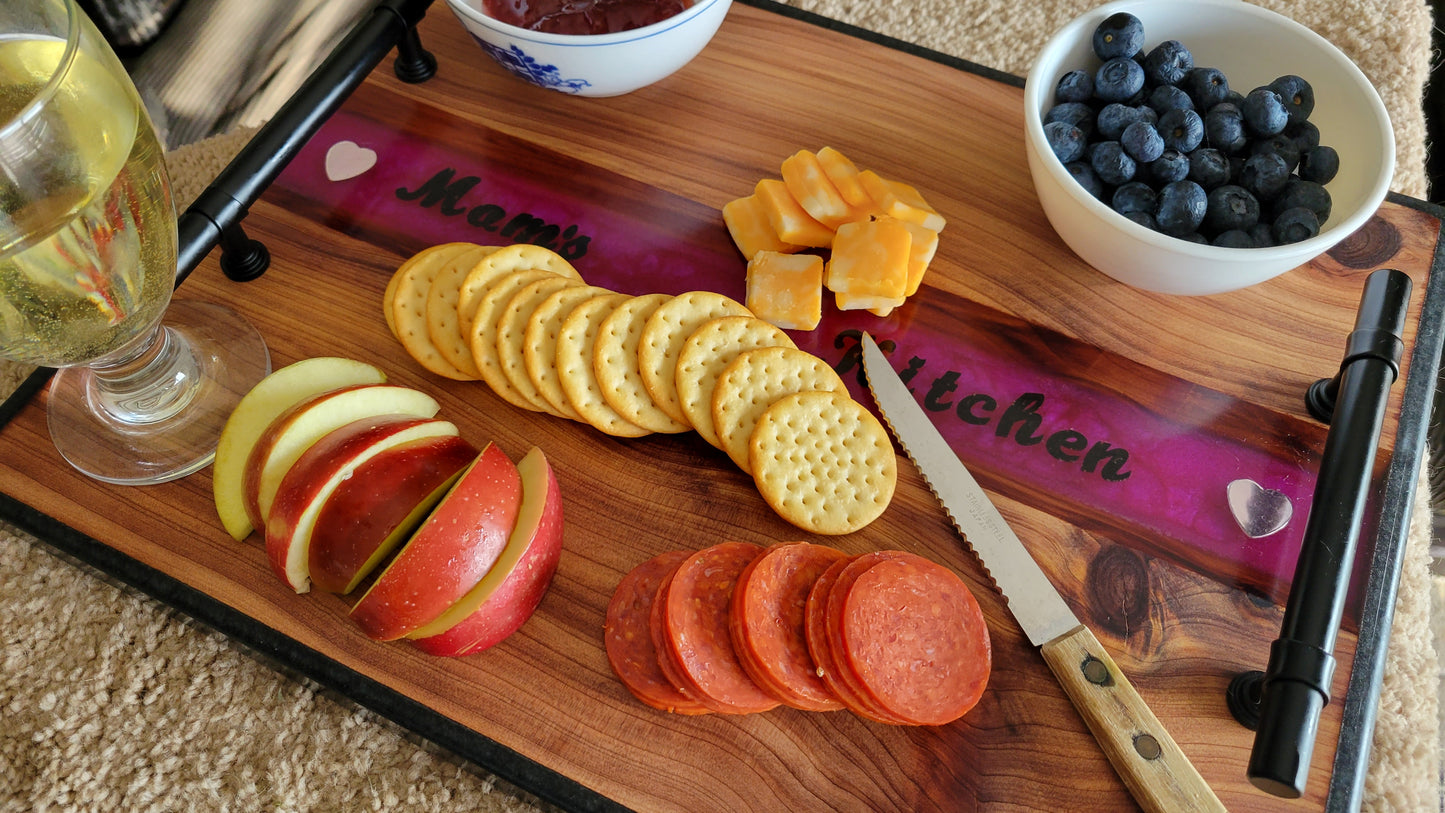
(295, 429)
(451, 551)
(270, 397)
(315, 476)
(508, 595)
(380, 505)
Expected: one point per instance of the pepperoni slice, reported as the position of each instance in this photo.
(914, 635)
(819, 645)
(845, 681)
(768, 622)
(628, 637)
(666, 655)
(695, 622)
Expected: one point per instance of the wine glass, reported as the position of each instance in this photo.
(88, 246)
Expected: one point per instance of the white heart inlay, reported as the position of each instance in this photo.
(347, 159)
(1259, 511)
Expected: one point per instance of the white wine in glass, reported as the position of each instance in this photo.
(88, 261)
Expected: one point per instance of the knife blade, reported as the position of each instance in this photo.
(1157, 773)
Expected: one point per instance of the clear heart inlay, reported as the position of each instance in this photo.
(347, 159)
(1259, 511)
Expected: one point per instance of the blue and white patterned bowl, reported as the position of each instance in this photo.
(595, 65)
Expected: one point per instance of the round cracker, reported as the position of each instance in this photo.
(662, 339)
(576, 346)
(433, 254)
(516, 257)
(614, 361)
(408, 309)
(483, 337)
(707, 352)
(511, 336)
(443, 327)
(823, 462)
(752, 382)
(539, 344)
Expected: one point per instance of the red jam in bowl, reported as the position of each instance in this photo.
(582, 16)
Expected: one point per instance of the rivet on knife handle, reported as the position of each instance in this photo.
(1156, 772)
(1148, 760)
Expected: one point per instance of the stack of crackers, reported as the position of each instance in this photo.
(521, 319)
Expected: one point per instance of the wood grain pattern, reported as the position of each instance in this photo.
(767, 86)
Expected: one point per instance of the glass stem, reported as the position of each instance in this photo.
(150, 381)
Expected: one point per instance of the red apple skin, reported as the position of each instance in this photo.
(312, 473)
(451, 551)
(251, 477)
(371, 507)
(515, 599)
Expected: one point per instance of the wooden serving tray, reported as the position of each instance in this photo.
(1199, 391)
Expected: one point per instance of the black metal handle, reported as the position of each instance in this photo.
(1292, 691)
(214, 218)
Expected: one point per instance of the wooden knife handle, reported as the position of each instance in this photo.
(1148, 760)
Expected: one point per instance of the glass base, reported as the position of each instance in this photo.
(161, 423)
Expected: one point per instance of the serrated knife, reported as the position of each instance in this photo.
(1155, 770)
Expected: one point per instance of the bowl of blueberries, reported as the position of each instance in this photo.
(1202, 147)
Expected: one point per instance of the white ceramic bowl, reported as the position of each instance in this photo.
(595, 65)
(1252, 46)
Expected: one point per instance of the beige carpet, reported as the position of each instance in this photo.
(113, 702)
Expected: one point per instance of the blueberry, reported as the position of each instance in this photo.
(1134, 196)
(1208, 167)
(1206, 86)
(1142, 142)
(1114, 117)
(1167, 63)
(1319, 164)
(1182, 130)
(1111, 163)
(1234, 238)
(1297, 95)
(1078, 114)
(1264, 112)
(1143, 219)
(1224, 128)
(1119, 35)
(1066, 140)
(1084, 174)
(1171, 166)
(1278, 144)
(1181, 208)
(1167, 97)
(1294, 225)
(1230, 207)
(1309, 194)
(1263, 235)
(1118, 80)
(1305, 134)
(1194, 237)
(1075, 86)
(1234, 97)
(1264, 175)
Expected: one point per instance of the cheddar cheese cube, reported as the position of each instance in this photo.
(868, 268)
(751, 231)
(844, 174)
(898, 199)
(920, 254)
(790, 221)
(786, 289)
(811, 188)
